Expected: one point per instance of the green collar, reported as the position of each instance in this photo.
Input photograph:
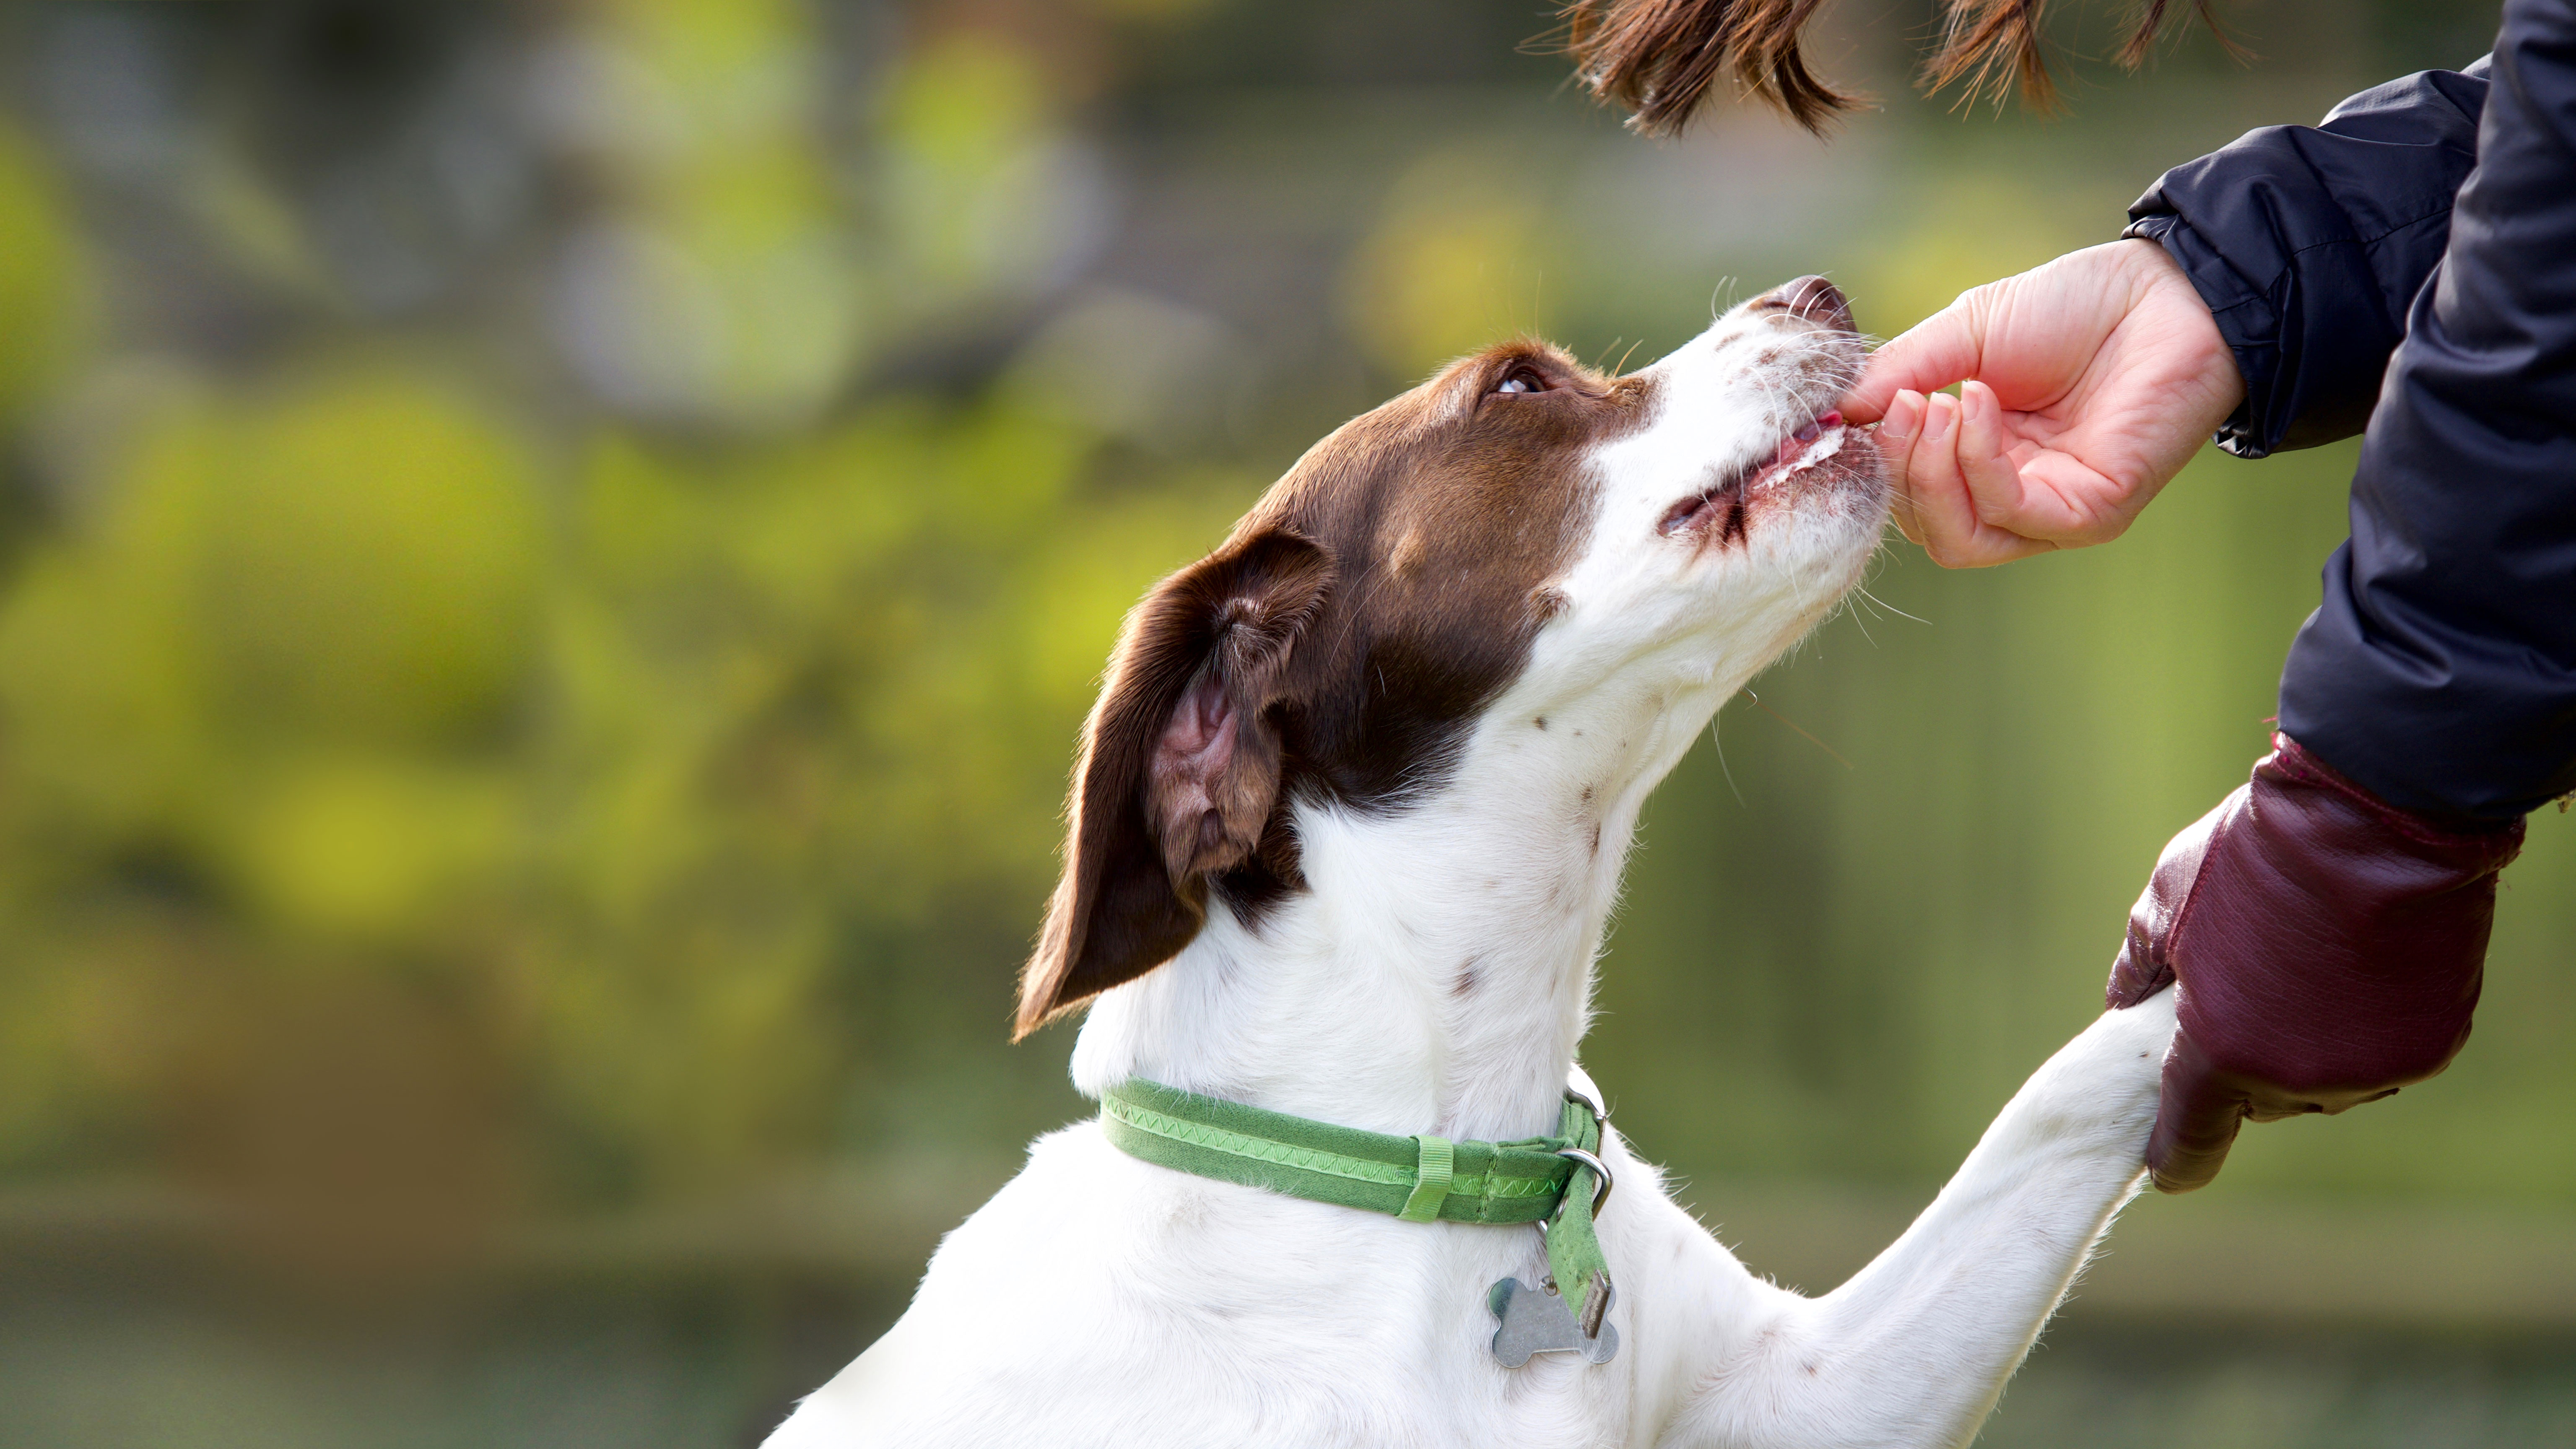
(1556, 1182)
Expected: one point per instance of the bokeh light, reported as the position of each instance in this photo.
(552, 556)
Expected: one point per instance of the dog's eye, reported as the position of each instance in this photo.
(1522, 379)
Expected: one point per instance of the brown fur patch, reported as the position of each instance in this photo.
(1336, 647)
(1468, 974)
(1662, 58)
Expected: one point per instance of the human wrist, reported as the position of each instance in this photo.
(2246, 322)
(2325, 949)
(2331, 945)
(2165, 291)
(2291, 760)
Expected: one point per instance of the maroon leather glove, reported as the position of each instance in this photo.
(2326, 949)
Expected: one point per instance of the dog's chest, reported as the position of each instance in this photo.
(1099, 1300)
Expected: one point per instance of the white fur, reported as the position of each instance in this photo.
(1099, 1300)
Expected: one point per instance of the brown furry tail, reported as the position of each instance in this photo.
(1660, 58)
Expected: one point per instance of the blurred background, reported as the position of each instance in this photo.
(552, 555)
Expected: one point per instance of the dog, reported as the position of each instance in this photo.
(1347, 822)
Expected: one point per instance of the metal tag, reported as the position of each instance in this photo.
(1535, 1321)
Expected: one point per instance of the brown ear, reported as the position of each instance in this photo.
(1179, 769)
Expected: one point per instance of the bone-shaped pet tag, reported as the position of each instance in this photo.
(1535, 1321)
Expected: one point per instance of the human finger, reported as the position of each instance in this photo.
(1992, 478)
(1896, 433)
(1944, 512)
(1934, 353)
(2197, 1117)
(2074, 503)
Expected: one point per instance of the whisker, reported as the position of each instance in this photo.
(1863, 591)
(1720, 746)
(1851, 606)
(1793, 724)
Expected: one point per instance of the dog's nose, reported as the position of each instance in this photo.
(1812, 298)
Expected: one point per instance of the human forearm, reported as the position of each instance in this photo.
(2441, 669)
(2308, 243)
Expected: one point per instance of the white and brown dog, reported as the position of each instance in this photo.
(1349, 817)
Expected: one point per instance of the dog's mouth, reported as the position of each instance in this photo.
(1720, 511)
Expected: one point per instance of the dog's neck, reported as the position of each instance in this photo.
(1435, 974)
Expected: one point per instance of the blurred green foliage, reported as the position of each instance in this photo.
(44, 289)
(596, 740)
(551, 560)
(577, 814)
(336, 684)
(655, 792)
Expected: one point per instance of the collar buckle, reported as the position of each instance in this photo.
(1582, 1091)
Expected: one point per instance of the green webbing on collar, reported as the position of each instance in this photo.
(1418, 1179)
(1434, 1170)
(1574, 1257)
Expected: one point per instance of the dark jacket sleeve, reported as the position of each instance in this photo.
(2309, 242)
(2441, 669)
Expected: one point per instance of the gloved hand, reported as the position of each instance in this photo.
(2326, 949)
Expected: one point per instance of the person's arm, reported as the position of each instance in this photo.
(2327, 925)
(2310, 242)
(2440, 672)
(2287, 263)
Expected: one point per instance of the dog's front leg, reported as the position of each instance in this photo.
(1915, 1349)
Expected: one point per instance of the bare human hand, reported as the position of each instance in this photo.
(2087, 383)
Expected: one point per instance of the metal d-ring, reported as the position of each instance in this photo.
(1583, 1091)
(1599, 1168)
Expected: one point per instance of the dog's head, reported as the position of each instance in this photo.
(1516, 525)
